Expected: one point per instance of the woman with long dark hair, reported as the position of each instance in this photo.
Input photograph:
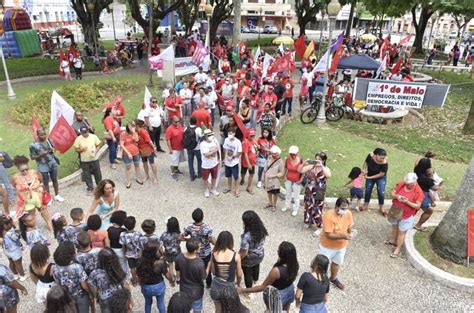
(150, 270)
(314, 287)
(180, 303)
(226, 267)
(107, 278)
(231, 301)
(251, 246)
(131, 154)
(111, 134)
(375, 168)
(41, 270)
(281, 276)
(59, 300)
(106, 201)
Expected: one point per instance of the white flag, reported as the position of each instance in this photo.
(382, 67)
(322, 64)
(156, 62)
(147, 97)
(281, 47)
(266, 64)
(59, 107)
(255, 58)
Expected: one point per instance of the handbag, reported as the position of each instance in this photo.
(7, 160)
(146, 152)
(107, 135)
(319, 193)
(395, 212)
(46, 198)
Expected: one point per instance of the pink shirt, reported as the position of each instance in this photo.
(357, 183)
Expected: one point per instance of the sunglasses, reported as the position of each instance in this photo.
(25, 170)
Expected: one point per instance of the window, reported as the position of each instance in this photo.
(252, 12)
(252, 1)
(35, 17)
(270, 1)
(269, 12)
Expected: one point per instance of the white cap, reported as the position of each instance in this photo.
(293, 150)
(275, 149)
(410, 178)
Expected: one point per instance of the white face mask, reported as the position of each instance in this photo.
(342, 212)
(231, 136)
(210, 138)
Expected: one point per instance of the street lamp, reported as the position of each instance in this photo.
(11, 93)
(111, 9)
(433, 19)
(261, 11)
(91, 8)
(208, 10)
(333, 9)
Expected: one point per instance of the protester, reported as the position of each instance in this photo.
(202, 115)
(130, 240)
(173, 105)
(87, 146)
(59, 300)
(293, 179)
(192, 143)
(232, 152)
(180, 303)
(12, 247)
(5, 163)
(210, 154)
(152, 118)
(375, 168)
(356, 181)
(313, 287)
(265, 142)
(337, 231)
(174, 140)
(98, 235)
(81, 121)
(106, 201)
(407, 197)
(43, 153)
(117, 109)
(129, 144)
(147, 151)
(186, 95)
(274, 171)
(111, 135)
(249, 160)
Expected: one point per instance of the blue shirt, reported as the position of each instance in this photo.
(46, 163)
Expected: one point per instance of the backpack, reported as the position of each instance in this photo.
(189, 138)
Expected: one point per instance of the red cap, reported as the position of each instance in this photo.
(229, 108)
(231, 104)
(202, 104)
(304, 79)
(251, 132)
(118, 99)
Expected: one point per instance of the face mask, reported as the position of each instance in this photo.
(210, 138)
(342, 212)
(231, 136)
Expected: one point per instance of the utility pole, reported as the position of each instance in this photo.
(150, 40)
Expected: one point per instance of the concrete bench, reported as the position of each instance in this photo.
(383, 117)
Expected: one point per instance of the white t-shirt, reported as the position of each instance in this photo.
(186, 94)
(207, 147)
(198, 132)
(309, 76)
(65, 66)
(227, 90)
(77, 62)
(213, 97)
(154, 116)
(141, 115)
(200, 78)
(232, 148)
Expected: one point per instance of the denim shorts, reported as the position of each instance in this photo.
(232, 171)
(426, 203)
(197, 305)
(357, 193)
(313, 308)
(150, 159)
(135, 159)
(287, 295)
(403, 225)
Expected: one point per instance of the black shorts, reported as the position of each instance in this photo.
(243, 170)
(274, 191)
(132, 263)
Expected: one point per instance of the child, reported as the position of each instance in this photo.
(59, 223)
(304, 92)
(288, 95)
(12, 246)
(438, 181)
(131, 244)
(77, 226)
(148, 227)
(356, 179)
(99, 237)
(114, 232)
(170, 240)
(29, 233)
(9, 296)
(86, 255)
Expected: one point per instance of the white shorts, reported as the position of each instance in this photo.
(42, 291)
(334, 255)
(177, 157)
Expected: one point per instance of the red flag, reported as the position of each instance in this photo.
(35, 125)
(384, 47)
(470, 233)
(300, 46)
(281, 64)
(335, 60)
(405, 40)
(241, 125)
(397, 66)
(242, 48)
(63, 135)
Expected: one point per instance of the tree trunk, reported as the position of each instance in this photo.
(350, 20)
(449, 239)
(420, 26)
(237, 14)
(302, 22)
(469, 126)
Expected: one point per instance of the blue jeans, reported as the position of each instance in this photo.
(213, 114)
(6, 182)
(313, 308)
(158, 291)
(191, 155)
(253, 122)
(112, 150)
(288, 102)
(369, 185)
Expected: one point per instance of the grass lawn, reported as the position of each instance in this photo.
(346, 150)
(423, 246)
(26, 67)
(441, 132)
(15, 138)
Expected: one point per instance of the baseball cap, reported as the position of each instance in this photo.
(207, 132)
(251, 132)
(83, 129)
(118, 99)
(229, 108)
(293, 150)
(410, 178)
(275, 149)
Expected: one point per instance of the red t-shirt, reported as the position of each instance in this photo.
(175, 136)
(292, 173)
(110, 123)
(254, 102)
(202, 117)
(272, 98)
(130, 144)
(415, 195)
(265, 145)
(143, 139)
(118, 110)
(249, 148)
(173, 103)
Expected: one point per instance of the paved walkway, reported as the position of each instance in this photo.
(374, 281)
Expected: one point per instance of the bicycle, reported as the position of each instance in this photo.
(333, 113)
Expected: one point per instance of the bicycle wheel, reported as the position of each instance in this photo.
(334, 114)
(308, 115)
(349, 111)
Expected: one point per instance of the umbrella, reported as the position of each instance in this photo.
(368, 37)
(283, 40)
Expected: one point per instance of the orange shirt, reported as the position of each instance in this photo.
(335, 223)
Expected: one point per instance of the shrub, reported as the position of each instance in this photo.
(81, 96)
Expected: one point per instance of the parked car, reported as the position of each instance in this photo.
(270, 29)
(244, 29)
(254, 29)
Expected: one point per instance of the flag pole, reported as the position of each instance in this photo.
(150, 40)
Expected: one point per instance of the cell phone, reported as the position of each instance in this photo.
(312, 162)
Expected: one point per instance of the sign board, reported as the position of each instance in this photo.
(392, 94)
(182, 67)
(470, 234)
(399, 94)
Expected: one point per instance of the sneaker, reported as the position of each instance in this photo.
(294, 213)
(338, 284)
(193, 178)
(16, 277)
(206, 193)
(214, 192)
(284, 209)
(59, 198)
(259, 184)
(357, 209)
(23, 278)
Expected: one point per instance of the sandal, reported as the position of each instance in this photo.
(139, 182)
(237, 194)
(129, 185)
(273, 208)
(395, 255)
(268, 206)
(226, 191)
(250, 191)
(383, 213)
(419, 228)
(389, 243)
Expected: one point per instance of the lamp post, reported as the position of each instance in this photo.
(150, 42)
(333, 9)
(91, 8)
(11, 93)
(261, 12)
(208, 9)
(433, 19)
(111, 9)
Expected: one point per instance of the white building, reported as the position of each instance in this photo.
(267, 12)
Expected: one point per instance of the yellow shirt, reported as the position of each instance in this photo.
(335, 223)
(90, 145)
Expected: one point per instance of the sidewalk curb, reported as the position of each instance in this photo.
(422, 265)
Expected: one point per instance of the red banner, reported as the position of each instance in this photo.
(470, 233)
(300, 46)
(335, 60)
(241, 125)
(62, 135)
(282, 64)
(397, 66)
(35, 125)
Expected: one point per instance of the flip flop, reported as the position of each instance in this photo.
(273, 208)
(250, 191)
(237, 195)
(419, 228)
(389, 243)
(129, 185)
(139, 182)
(226, 191)
(394, 255)
(268, 206)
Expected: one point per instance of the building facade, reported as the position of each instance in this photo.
(267, 12)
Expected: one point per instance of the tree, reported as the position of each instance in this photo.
(449, 239)
(222, 11)
(188, 13)
(461, 10)
(426, 10)
(237, 14)
(160, 10)
(469, 126)
(306, 11)
(350, 21)
(87, 19)
(383, 8)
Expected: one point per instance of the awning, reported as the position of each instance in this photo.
(358, 62)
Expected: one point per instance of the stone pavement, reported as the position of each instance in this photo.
(374, 281)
